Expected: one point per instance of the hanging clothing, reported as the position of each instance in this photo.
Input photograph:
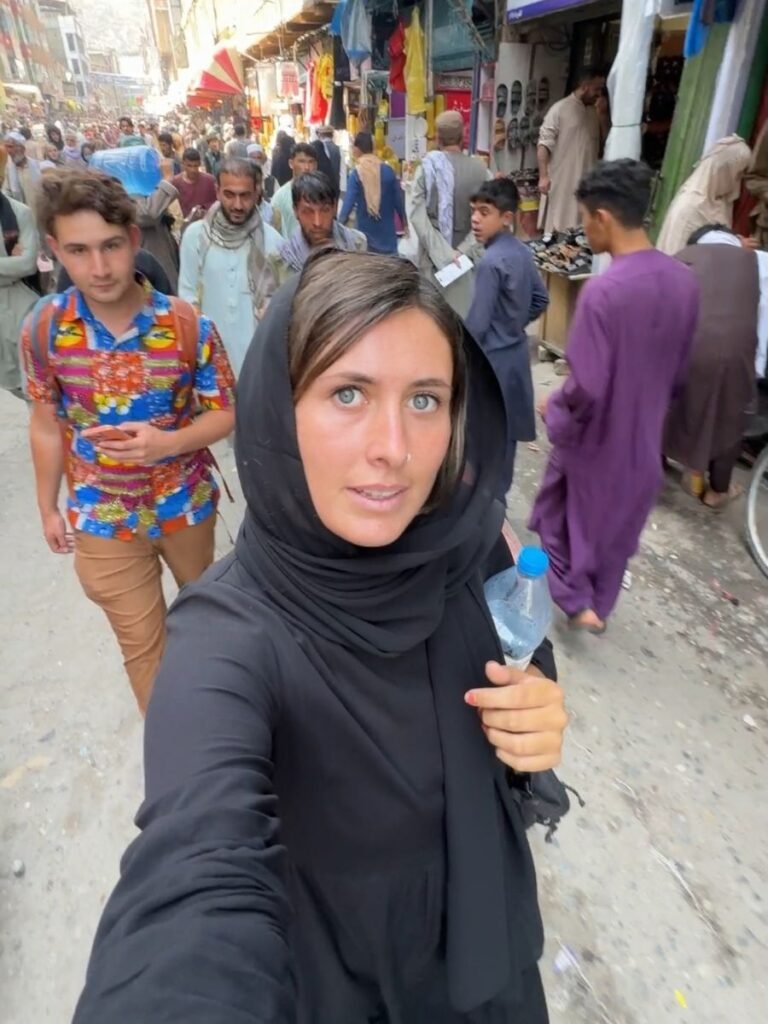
(628, 351)
(708, 195)
(415, 66)
(307, 678)
(704, 15)
(571, 133)
(397, 58)
(708, 418)
(318, 104)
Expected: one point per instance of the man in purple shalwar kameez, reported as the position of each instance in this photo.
(628, 352)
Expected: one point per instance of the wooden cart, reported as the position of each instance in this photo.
(555, 323)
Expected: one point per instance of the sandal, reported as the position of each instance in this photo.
(499, 135)
(735, 491)
(501, 100)
(513, 136)
(515, 98)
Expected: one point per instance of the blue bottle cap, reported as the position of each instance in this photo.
(533, 562)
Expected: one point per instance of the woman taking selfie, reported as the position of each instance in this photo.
(330, 834)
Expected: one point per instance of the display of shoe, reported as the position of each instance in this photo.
(513, 135)
(499, 135)
(543, 93)
(502, 94)
(515, 98)
(525, 131)
(563, 252)
(531, 96)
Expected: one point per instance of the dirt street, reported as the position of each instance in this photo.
(655, 894)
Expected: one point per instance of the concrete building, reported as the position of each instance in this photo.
(165, 22)
(28, 72)
(67, 44)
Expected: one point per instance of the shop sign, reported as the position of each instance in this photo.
(518, 10)
(451, 81)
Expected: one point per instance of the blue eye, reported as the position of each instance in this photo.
(348, 396)
(424, 403)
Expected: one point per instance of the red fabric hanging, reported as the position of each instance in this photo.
(397, 58)
(318, 104)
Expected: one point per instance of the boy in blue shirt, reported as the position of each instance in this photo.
(509, 294)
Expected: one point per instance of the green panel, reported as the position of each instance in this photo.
(755, 84)
(689, 127)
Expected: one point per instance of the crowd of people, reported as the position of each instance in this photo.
(342, 659)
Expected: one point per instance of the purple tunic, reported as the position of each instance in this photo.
(628, 352)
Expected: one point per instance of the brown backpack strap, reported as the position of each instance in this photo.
(186, 327)
(43, 322)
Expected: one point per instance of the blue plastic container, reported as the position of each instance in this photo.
(136, 167)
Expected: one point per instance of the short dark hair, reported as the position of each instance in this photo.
(65, 192)
(590, 73)
(126, 120)
(501, 193)
(25, 131)
(314, 188)
(165, 137)
(699, 233)
(623, 187)
(239, 130)
(305, 149)
(239, 167)
(364, 142)
(190, 155)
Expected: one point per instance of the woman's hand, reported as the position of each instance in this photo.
(523, 717)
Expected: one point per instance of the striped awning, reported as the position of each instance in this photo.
(222, 75)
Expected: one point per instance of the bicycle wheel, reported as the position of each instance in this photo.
(757, 512)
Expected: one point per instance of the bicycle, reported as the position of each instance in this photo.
(756, 521)
(757, 512)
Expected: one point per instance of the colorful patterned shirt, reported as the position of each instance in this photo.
(96, 379)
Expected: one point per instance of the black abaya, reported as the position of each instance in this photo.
(327, 837)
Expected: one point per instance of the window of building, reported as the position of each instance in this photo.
(71, 42)
(75, 65)
(80, 89)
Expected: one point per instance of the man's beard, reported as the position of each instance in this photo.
(244, 215)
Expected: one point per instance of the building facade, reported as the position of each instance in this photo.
(27, 69)
(67, 45)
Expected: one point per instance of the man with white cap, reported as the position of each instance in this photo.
(22, 173)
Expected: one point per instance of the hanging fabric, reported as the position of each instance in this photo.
(397, 58)
(415, 66)
(356, 30)
(318, 104)
(705, 14)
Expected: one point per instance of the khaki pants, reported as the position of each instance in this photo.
(125, 579)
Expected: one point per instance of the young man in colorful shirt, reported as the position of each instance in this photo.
(116, 372)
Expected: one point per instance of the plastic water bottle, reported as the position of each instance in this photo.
(521, 606)
(137, 168)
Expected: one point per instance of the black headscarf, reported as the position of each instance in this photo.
(423, 588)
